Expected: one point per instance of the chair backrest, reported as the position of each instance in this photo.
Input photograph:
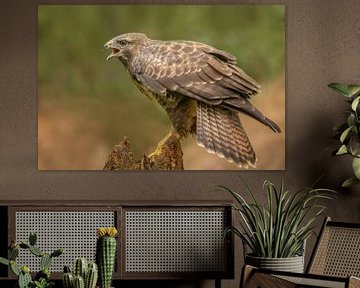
(337, 251)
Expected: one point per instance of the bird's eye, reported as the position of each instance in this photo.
(122, 42)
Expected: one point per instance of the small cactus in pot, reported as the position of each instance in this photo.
(81, 266)
(91, 276)
(106, 254)
(85, 275)
(79, 282)
(68, 278)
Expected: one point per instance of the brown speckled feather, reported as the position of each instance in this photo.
(202, 73)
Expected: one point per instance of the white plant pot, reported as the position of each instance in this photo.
(291, 264)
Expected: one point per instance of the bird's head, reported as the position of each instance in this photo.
(124, 46)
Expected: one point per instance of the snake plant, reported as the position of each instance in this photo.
(279, 228)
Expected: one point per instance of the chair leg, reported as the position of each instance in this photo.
(246, 273)
(217, 283)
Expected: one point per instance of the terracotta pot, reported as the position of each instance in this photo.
(291, 264)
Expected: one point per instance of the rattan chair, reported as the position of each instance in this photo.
(334, 263)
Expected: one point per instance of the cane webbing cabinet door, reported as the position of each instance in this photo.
(170, 242)
(69, 227)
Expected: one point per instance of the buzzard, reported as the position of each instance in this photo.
(201, 89)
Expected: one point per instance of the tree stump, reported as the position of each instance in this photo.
(168, 156)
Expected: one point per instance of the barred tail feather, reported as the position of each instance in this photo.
(246, 107)
(220, 131)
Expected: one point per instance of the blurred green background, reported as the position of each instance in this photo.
(86, 105)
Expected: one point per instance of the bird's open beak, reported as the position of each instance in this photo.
(115, 51)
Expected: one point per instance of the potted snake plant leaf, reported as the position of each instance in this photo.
(274, 234)
(348, 133)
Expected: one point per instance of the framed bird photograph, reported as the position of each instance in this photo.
(161, 87)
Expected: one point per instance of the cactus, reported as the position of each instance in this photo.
(14, 268)
(36, 251)
(24, 280)
(68, 280)
(32, 238)
(87, 272)
(24, 277)
(13, 253)
(57, 252)
(42, 278)
(106, 254)
(4, 261)
(24, 245)
(44, 273)
(79, 282)
(80, 267)
(45, 261)
(67, 269)
(91, 276)
(25, 269)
